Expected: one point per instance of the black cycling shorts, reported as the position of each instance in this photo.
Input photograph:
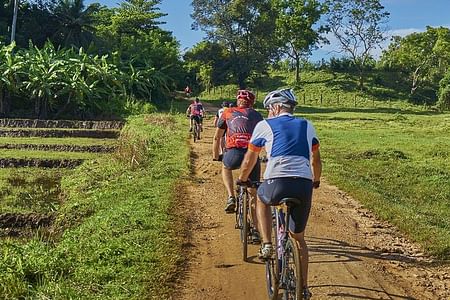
(232, 159)
(271, 191)
(197, 118)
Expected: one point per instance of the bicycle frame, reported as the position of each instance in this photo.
(278, 269)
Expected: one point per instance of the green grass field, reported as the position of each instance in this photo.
(396, 164)
(119, 237)
(30, 190)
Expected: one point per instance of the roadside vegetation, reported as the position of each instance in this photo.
(114, 235)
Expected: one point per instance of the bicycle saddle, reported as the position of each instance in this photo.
(291, 201)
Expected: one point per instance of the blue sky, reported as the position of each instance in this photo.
(406, 16)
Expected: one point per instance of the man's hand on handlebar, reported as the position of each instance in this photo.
(246, 183)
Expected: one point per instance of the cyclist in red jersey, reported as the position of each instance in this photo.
(238, 123)
(196, 112)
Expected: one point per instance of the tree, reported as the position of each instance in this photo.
(444, 92)
(357, 26)
(210, 61)
(75, 23)
(295, 27)
(424, 56)
(244, 27)
(136, 16)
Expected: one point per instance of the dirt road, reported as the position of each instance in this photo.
(353, 255)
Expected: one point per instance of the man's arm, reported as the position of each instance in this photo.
(188, 110)
(248, 163)
(216, 142)
(316, 164)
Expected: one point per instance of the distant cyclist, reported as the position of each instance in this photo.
(196, 112)
(224, 106)
(238, 123)
(293, 169)
(188, 91)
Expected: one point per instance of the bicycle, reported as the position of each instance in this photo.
(196, 129)
(283, 269)
(243, 216)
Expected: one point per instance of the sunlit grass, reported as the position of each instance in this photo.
(396, 164)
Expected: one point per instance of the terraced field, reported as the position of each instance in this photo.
(34, 156)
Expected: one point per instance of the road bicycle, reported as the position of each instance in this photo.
(243, 216)
(283, 269)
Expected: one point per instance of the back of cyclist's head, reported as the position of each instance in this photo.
(245, 98)
(197, 100)
(283, 97)
(225, 104)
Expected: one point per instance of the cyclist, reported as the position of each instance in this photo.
(196, 112)
(224, 106)
(238, 122)
(293, 170)
(188, 91)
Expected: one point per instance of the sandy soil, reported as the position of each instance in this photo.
(352, 254)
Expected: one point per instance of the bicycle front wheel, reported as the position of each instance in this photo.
(292, 272)
(245, 225)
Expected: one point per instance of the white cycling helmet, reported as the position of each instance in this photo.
(283, 96)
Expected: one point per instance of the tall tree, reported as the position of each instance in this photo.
(358, 27)
(76, 26)
(208, 56)
(296, 28)
(136, 16)
(244, 27)
(424, 56)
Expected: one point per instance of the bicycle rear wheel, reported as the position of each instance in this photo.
(292, 272)
(196, 132)
(273, 265)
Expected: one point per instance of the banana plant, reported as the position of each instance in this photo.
(45, 78)
(11, 69)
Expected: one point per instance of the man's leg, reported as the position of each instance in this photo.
(264, 217)
(253, 203)
(227, 176)
(304, 258)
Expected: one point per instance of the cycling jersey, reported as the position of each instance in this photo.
(239, 124)
(196, 109)
(289, 142)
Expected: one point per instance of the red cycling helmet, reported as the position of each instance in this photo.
(246, 95)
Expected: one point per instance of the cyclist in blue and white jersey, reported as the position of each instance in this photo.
(293, 169)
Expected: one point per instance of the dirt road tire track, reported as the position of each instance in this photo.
(352, 254)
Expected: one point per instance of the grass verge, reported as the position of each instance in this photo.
(396, 164)
(114, 235)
